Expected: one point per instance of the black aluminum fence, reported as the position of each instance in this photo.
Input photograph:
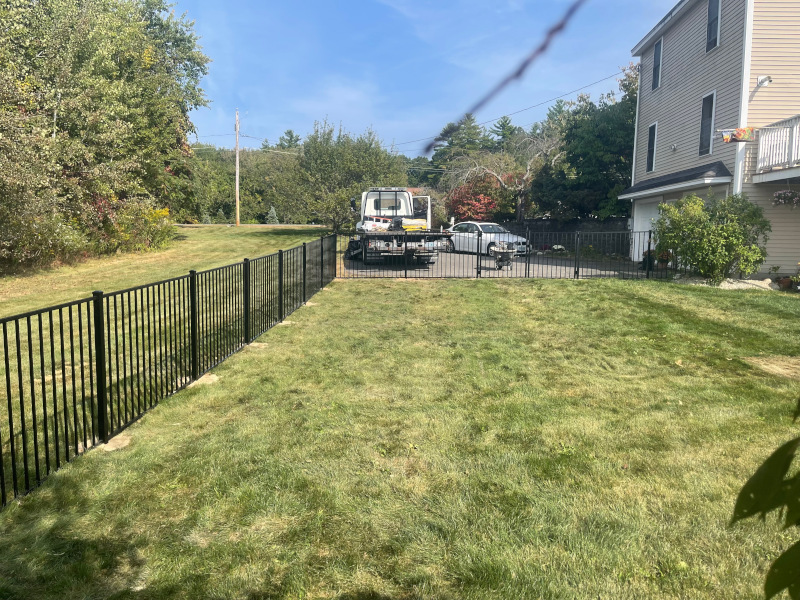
(573, 255)
(76, 374)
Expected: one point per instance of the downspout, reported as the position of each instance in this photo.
(744, 98)
(636, 134)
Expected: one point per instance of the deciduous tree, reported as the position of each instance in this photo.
(335, 166)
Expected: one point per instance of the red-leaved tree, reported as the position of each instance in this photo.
(468, 205)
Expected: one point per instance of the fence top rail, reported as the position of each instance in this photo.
(625, 231)
(41, 311)
(222, 268)
(144, 285)
(263, 257)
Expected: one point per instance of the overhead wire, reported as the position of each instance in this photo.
(542, 103)
(552, 33)
(215, 149)
(391, 147)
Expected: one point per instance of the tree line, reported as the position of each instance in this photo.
(293, 181)
(572, 164)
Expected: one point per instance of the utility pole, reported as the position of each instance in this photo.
(237, 167)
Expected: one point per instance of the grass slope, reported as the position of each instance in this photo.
(440, 439)
(196, 247)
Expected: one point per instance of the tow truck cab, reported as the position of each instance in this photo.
(393, 209)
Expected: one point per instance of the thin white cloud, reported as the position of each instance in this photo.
(339, 100)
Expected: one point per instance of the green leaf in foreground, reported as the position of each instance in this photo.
(784, 574)
(763, 492)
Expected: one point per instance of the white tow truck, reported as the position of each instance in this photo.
(394, 224)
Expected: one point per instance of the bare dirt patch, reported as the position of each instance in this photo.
(257, 345)
(731, 284)
(784, 366)
(286, 323)
(117, 442)
(207, 379)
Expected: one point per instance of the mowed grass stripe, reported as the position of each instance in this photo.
(441, 439)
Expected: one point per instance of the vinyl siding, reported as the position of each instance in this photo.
(776, 52)
(783, 248)
(688, 74)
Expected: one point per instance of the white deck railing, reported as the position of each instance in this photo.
(779, 144)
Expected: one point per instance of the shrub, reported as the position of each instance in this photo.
(143, 227)
(33, 234)
(717, 238)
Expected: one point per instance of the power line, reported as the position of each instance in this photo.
(231, 150)
(561, 97)
(215, 149)
(389, 147)
(554, 31)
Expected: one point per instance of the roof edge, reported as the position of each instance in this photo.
(677, 187)
(703, 175)
(656, 31)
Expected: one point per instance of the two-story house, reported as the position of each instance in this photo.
(713, 65)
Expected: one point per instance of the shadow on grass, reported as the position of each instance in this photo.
(57, 545)
(363, 595)
(288, 231)
(51, 549)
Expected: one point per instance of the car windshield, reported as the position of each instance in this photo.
(492, 228)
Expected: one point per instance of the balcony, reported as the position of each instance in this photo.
(779, 146)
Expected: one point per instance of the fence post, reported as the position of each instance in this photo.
(577, 254)
(100, 365)
(280, 285)
(304, 272)
(647, 257)
(194, 321)
(405, 252)
(246, 294)
(529, 248)
(321, 262)
(478, 255)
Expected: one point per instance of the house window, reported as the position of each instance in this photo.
(657, 63)
(651, 147)
(707, 124)
(712, 30)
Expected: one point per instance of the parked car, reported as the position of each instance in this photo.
(465, 238)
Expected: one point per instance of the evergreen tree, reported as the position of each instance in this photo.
(272, 217)
(289, 140)
(504, 131)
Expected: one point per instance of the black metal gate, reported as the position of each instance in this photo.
(574, 255)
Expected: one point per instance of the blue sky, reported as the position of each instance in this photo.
(403, 67)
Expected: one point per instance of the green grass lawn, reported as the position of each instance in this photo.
(440, 439)
(196, 247)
